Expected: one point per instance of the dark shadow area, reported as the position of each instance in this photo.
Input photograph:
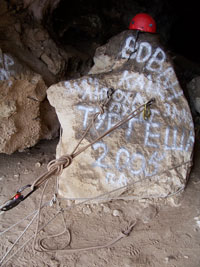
(86, 25)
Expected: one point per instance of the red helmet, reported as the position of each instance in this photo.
(143, 22)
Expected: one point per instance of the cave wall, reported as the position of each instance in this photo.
(58, 39)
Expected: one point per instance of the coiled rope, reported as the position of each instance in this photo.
(56, 167)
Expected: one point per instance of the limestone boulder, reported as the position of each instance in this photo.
(144, 158)
(22, 106)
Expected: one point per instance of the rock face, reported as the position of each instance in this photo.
(22, 106)
(144, 157)
(194, 94)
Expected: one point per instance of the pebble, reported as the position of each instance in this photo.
(26, 171)
(16, 175)
(2, 177)
(197, 219)
(38, 164)
(105, 208)
(170, 258)
(116, 213)
(166, 259)
(86, 210)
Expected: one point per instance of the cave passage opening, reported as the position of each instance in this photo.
(86, 25)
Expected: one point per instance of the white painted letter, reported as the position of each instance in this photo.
(86, 110)
(144, 52)
(156, 61)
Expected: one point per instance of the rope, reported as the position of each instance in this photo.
(102, 196)
(19, 237)
(123, 234)
(12, 226)
(60, 211)
(39, 212)
(56, 166)
(28, 240)
(26, 217)
(43, 248)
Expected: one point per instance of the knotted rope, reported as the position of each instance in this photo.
(56, 166)
(122, 234)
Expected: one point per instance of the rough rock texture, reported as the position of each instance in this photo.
(194, 94)
(25, 114)
(147, 158)
(24, 34)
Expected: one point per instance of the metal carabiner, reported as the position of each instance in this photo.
(16, 199)
(147, 110)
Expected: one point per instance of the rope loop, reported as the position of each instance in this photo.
(60, 164)
(101, 108)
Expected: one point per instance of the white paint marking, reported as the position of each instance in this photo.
(86, 111)
(122, 159)
(156, 61)
(137, 163)
(99, 162)
(144, 52)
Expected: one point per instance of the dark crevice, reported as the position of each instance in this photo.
(85, 25)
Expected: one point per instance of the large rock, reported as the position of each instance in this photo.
(155, 154)
(22, 106)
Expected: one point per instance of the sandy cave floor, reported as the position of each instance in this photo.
(167, 233)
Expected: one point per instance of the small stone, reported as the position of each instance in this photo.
(116, 213)
(197, 219)
(38, 164)
(26, 171)
(94, 205)
(47, 60)
(166, 260)
(16, 175)
(86, 210)
(2, 177)
(106, 209)
(170, 258)
(174, 201)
